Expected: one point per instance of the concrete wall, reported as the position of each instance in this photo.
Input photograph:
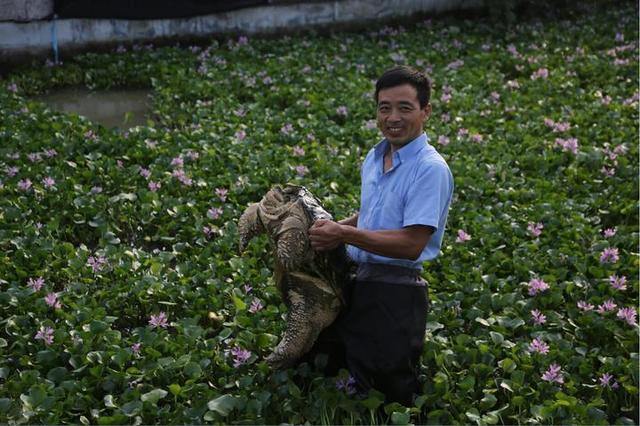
(24, 41)
(25, 10)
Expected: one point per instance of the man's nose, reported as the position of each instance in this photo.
(394, 115)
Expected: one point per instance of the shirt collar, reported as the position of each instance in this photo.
(408, 151)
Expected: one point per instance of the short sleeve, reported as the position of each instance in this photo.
(427, 200)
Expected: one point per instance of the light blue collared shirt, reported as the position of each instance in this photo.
(416, 190)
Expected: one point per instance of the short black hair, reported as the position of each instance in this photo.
(397, 76)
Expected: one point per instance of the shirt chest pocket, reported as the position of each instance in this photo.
(392, 211)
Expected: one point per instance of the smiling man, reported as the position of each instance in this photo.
(405, 196)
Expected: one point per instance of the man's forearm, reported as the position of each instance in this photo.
(350, 221)
(406, 243)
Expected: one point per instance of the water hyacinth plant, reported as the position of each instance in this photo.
(123, 299)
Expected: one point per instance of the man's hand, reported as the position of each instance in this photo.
(325, 235)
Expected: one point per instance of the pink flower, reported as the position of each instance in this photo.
(36, 284)
(605, 381)
(12, 87)
(90, 135)
(182, 177)
(513, 84)
(553, 374)
(154, 186)
(96, 190)
(476, 137)
(49, 153)
(549, 122)
(462, 132)
(48, 182)
(177, 162)
(12, 171)
(495, 96)
(608, 171)
(34, 157)
(584, 306)
(298, 151)
(462, 236)
(135, 348)
(24, 184)
(443, 140)
(535, 229)
(570, 144)
(97, 263)
(538, 317)
(150, 144)
(536, 286)
(609, 255)
(222, 194)
(607, 306)
(214, 212)
(45, 334)
(342, 111)
(256, 305)
(628, 314)
(370, 124)
(445, 98)
(287, 129)
(240, 356)
(619, 283)
(159, 320)
(609, 232)
(455, 64)
(538, 346)
(241, 135)
(542, 73)
(145, 173)
(301, 170)
(51, 299)
(247, 288)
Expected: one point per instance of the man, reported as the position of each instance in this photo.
(405, 196)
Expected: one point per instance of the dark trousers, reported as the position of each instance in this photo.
(379, 339)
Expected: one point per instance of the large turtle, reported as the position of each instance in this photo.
(311, 283)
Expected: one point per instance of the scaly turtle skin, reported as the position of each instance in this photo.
(311, 283)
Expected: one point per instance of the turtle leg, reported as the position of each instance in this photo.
(249, 225)
(292, 243)
(313, 306)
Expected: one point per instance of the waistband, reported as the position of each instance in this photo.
(392, 274)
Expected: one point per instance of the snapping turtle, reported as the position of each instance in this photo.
(310, 283)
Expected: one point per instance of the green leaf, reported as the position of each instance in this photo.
(496, 337)
(132, 408)
(222, 405)
(193, 370)
(108, 401)
(488, 401)
(57, 374)
(154, 396)
(400, 418)
(5, 404)
(175, 389)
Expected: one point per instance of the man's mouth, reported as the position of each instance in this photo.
(394, 129)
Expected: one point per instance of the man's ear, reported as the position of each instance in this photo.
(427, 110)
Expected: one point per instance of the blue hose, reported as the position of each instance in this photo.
(54, 40)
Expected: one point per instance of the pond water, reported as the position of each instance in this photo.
(121, 108)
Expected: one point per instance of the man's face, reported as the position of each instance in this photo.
(399, 116)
